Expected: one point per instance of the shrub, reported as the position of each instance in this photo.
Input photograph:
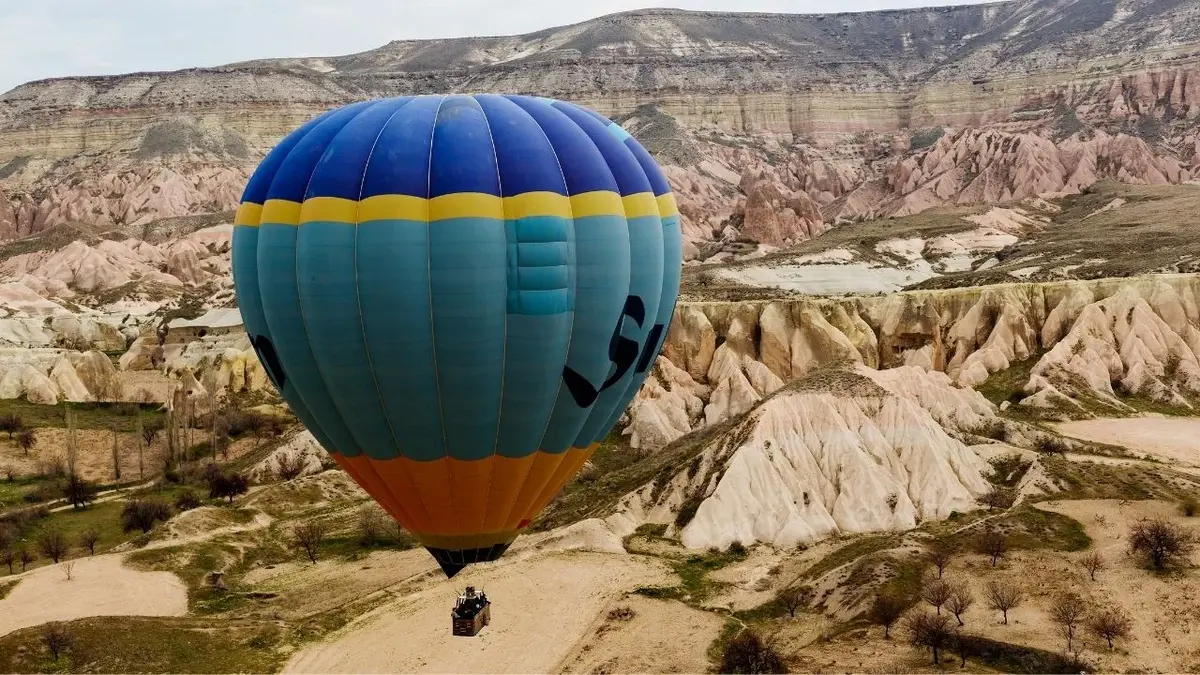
(11, 423)
(1160, 543)
(747, 653)
(141, 514)
(57, 638)
(1188, 507)
(187, 500)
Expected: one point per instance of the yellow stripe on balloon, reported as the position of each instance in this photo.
(640, 205)
(329, 209)
(248, 214)
(667, 206)
(393, 207)
(597, 203)
(280, 212)
(465, 205)
(532, 204)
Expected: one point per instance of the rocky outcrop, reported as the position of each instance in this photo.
(846, 449)
(1098, 338)
(832, 118)
(104, 265)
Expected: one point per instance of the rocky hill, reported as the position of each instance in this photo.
(773, 127)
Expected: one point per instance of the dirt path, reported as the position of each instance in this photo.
(542, 606)
(99, 586)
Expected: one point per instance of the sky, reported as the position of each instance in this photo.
(56, 38)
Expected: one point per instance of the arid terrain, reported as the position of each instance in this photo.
(937, 352)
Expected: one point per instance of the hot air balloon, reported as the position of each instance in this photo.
(458, 296)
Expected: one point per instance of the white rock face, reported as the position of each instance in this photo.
(1139, 335)
(301, 444)
(820, 463)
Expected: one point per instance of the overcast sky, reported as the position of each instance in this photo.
(54, 38)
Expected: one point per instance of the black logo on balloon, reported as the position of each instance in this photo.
(622, 352)
(269, 359)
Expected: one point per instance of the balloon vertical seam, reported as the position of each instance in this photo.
(504, 349)
(363, 328)
(432, 321)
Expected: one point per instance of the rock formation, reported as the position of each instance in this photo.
(771, 127)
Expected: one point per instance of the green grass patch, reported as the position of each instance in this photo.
(6, 586)
(149, 645)
(858, 548)
(694, 585)
(1009, 469)
(1029, 528)
(1093, 480)
(105, 416)
(352, 548)
(192, 563)
(1009, 384)
(13, 492)
(104, 518)
(596, 495)
(729, 631)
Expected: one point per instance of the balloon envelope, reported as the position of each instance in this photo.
(458, 296)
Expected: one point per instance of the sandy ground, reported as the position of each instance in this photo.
(541, 607)
(661, 637)
(154, 383)
(1170, 439)
(1166, 618)
(100, 586)
(95, 453)
(307, 588)
(1164, 611)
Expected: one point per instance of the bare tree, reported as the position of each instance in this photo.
(78, 491)
(57, 638)
(936, 592)
(992, 543)
(289, 465)
(309, 537)
(140, 439)
(69, 568)
(72, 444)
(116, 456)
(54, 544)
(141, 514)
(1094, 562)
(1068, 610)
(8, 557)
(372, 524)
(939, 554)
(793, 598)
(149, 430)
(25, 556)
(963, 644)
(931, 631)
(12, 424)
(998, 498)
(1004, 596)
(1160, 543)
(27, 439)
(960, 600)
(748, 653)
(885, 611)
(88, 539)
(1110, 625)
